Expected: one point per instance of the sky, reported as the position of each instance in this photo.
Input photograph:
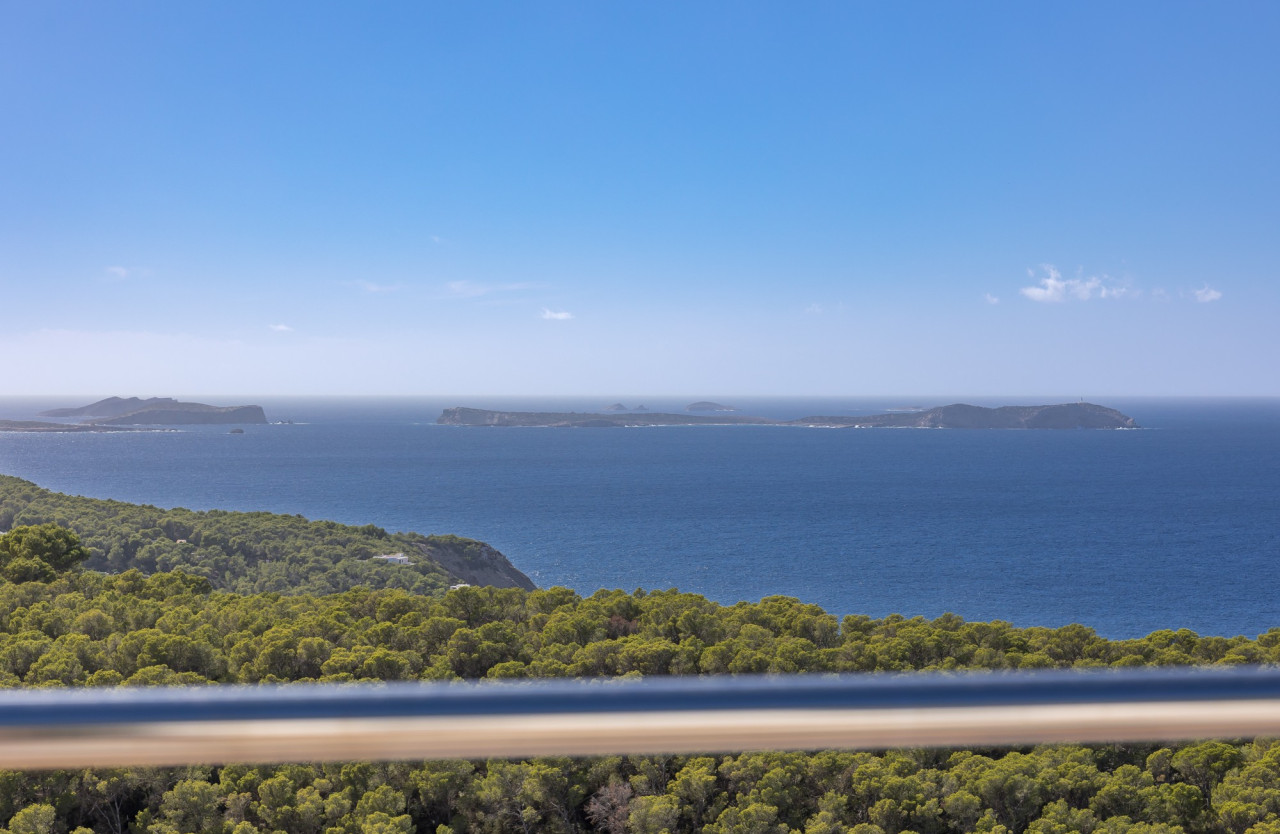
(820, 198)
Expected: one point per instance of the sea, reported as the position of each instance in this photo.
(1172, 525)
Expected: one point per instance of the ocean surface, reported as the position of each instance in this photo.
(1171, 526)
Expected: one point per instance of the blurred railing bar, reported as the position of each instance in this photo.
(44, 728)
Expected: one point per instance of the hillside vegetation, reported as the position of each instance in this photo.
(255, 552)
(61, 625)
(89, 629)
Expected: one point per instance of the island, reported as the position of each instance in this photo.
(573, 419)
(706, 405)
(956, 416)
(961, 416)
(160, 411)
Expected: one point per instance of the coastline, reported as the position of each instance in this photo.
(35, 426)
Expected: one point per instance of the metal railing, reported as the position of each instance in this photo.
(64, 728)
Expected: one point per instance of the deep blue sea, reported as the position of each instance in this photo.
(1171, 526)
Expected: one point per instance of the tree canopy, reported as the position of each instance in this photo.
(33, 552)
(90, 629)
(225, 618)
(244, 552)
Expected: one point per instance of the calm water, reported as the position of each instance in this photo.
(1127, 531)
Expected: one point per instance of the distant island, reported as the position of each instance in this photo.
(705, 405)
(962, 416)
(160, 411)
(573, 419)
(957, 416)
(621, 407)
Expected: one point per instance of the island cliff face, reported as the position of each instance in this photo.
(160, 411)
(956, 416)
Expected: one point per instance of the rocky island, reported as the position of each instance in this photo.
(160, 411)
(706, 405)
(962, 416)
(956, 416)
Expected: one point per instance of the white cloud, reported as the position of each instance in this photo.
(118, 271)
(552, 315)
(991, 299)
(469, 289)
(371, 287)
(816, 309)
(281, 328)
(1054, 289)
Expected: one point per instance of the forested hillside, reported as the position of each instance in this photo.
(225, 617)
(85, 628)
(255, 552)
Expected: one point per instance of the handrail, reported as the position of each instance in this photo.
(62, 728)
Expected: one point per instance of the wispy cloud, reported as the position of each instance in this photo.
(1054, 289)
(815, 309)
(991, 299)
(470, 289)
(281, 328)
(371, 287)
(124, 273)
(553, 315)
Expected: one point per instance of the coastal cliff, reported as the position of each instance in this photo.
(472, 562)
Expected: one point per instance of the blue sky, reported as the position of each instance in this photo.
(668, 198)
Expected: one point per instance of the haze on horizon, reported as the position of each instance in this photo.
(572, 198)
